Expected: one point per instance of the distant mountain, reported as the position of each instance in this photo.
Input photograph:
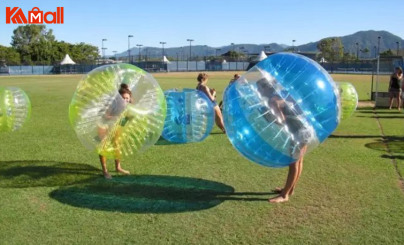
(365, 39)
(203, 50)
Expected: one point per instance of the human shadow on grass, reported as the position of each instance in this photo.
(381, 112)
(151, 194)
(354, 136)
(162, 141)
(399, 157)
(33, 173)
(395, 144)
(217, 133)
(383, 117)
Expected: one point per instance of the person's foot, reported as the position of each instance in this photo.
(107, 175)
(123, 171)
(279, 199)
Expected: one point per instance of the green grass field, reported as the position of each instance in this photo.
(52, 192)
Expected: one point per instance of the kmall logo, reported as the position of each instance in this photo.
(35, 16)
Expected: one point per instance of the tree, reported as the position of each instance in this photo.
(31, 41)
(9, 56)
(235, 54)
(365, 51)
(331, 49)
(34, 44)
(83, 53)
(80, 53)
(348, 57)
(288, 49)
(61, 49)
(387, 53)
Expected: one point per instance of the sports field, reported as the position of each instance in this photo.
(52, 192)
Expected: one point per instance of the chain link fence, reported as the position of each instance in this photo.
(369, 66)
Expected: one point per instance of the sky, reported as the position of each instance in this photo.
(214, 23)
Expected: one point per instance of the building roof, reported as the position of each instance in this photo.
(261, 56)
(67, 61)
(165, 60)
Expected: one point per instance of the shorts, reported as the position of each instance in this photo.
(301, 133)
(395, 92)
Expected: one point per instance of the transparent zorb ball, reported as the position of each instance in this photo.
(281, 107)
(104, 122)
(15, 108)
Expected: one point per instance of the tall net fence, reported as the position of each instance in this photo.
(369, 66)
(174, 66)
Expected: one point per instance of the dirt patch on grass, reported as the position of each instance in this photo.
(401, 184)
(366, 104)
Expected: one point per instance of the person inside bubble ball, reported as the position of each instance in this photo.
(211, 93)
(106, 124)
(283, 113)
(298, 145)
(235, 77)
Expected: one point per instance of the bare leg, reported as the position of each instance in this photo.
(402, 101)
(300, 168)
(299, 172)
(399, 101)
(102, 132)
(391, 102)
(295, 170)
(119, 168)
(219, 119)
(290, 181)
(103, 161)
(299, 164)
